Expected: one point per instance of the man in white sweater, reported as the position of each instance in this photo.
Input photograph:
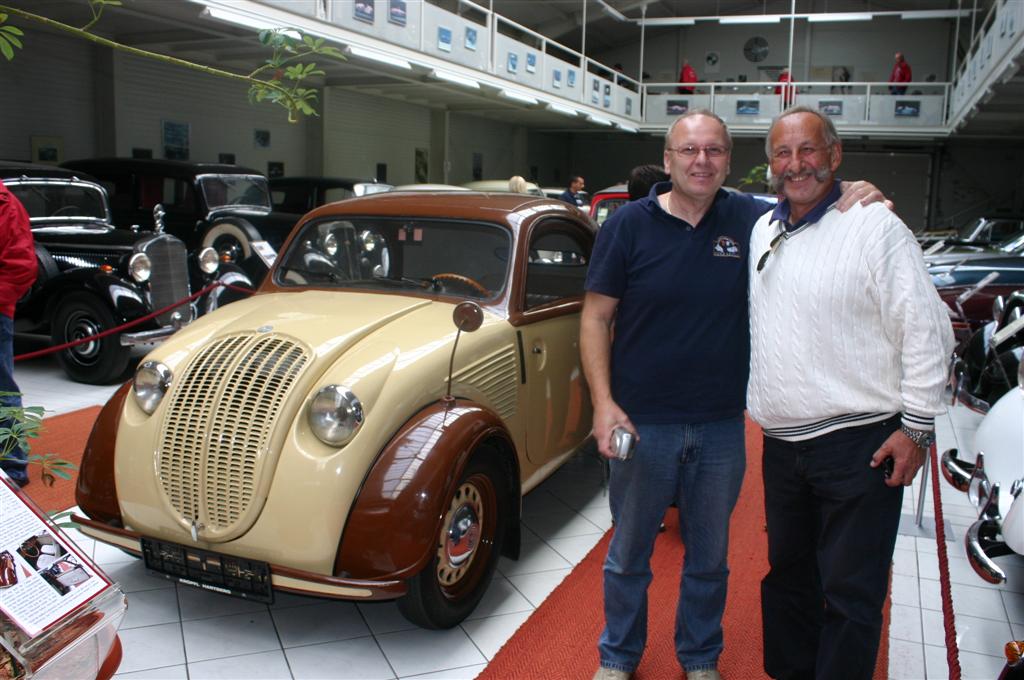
(850, 345)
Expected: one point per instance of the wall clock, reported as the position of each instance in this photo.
(756, 49)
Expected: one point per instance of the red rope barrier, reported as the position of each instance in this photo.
(948, 620)
(130, 324)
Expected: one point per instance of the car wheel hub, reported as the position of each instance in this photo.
(80, 327)
(461, 535)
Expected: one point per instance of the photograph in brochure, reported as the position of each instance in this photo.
(44, 576)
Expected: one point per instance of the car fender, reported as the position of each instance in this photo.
(230, 275)
(127, 301)
(96, 489)
(393, 525)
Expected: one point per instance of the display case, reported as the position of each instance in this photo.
(59, 612)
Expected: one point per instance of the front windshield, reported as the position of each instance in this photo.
(235, 190)
(55, 202)
(435, 257)
(967, 232)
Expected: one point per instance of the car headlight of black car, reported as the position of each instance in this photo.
(335, 415)
(140, 267)
(329, 244)
(150, 384)
(208, 259)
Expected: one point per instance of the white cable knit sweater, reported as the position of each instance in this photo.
(846, 326)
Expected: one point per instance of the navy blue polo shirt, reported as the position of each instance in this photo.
(681, 345)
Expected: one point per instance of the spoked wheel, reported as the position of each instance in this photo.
(96, 362)
(468, 545)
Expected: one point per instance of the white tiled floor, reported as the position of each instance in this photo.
(179, 632)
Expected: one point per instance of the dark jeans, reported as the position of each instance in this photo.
(15, 469)
(832, 525)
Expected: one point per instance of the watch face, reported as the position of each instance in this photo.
(756, 49)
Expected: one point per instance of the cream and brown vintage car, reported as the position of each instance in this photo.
(342, 433)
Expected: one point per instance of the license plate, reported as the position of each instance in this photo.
(235, 576)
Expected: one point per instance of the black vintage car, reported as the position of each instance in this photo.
(299, 195)
(94, 277)
(226, 207)
(987, 367)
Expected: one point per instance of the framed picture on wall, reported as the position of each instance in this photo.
(364, 10)
(512, 63)
(748, 107)
(676, 107)
(556, 79)
(175, 138)
(629, 106)
(907, 108)
(478, 166)
(444, 39)
(831, 107)
(595, 92)
(470, 40)
(531, 62)
(422, 166)
(261, 139)
(47, 149)
(607, 95)
(275, 169)
(570, 78)
(396, 12)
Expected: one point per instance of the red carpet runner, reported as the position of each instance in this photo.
(560, 639)
(64, 436)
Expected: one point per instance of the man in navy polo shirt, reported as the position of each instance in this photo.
(670, 271)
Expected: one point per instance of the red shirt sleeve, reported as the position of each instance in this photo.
(18, 266)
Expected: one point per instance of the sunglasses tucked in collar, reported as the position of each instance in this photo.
(780, 216)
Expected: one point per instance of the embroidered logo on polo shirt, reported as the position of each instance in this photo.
(726, 247)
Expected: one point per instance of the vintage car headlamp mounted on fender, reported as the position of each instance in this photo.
(208, 260)
(151, 381)
(140, 267)
(335, 415)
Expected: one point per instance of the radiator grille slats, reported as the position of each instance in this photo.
(497, 376)
(217, 429)
(168, 282)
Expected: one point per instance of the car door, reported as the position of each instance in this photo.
(558, 411)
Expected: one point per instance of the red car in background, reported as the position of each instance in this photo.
(607, 201)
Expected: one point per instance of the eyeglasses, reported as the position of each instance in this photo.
(691, 150)
(772, 247)
(785, 153)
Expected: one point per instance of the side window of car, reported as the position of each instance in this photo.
(557, 266)
(1004, 229)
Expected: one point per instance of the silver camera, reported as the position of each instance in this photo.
(623, 443)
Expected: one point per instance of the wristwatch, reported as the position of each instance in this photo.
(921, 438)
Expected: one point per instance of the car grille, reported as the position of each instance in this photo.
(168, 281)
(497, 376)
(216, 435)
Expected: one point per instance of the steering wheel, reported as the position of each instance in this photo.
(67, 210)
(465, 280)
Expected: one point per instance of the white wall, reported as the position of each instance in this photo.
(218, 112)
(361, 131)
(47, 90)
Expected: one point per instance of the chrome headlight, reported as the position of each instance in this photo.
(150, 385)
(329, 244)
(369, 241)
(139, 267)
(208, 260)
(335, 415)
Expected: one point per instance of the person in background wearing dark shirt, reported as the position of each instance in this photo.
(669, 271)
(18, 270)
(571, 195)
(642, 178)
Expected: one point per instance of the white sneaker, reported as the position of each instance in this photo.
(611, 674)
(704, 674)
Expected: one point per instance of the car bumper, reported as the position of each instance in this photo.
(147, 337)
(957, 472)
(959, 386)
(983, 545)
(284, 579)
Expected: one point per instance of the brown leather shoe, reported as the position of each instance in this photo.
(611, 674)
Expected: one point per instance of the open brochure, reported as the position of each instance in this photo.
(43, 576)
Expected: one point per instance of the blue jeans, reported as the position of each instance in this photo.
(700, 467)
(15, 469)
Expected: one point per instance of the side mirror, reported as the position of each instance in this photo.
(468, 316)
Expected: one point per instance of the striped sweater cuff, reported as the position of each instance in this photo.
(918, 422)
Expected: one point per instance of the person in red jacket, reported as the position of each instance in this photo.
(687, 75)
(900, 74)
(17, 274)
(787, 91)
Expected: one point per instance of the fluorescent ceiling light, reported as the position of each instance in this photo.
(237, 18)
(934, 14)
(751, 19)
(599, 120)
(519, 96)
(357, 51)
(562, 108)
(668, 21)
(839, 16)
(441, 74)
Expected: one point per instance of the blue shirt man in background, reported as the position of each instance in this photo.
(571, 195)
